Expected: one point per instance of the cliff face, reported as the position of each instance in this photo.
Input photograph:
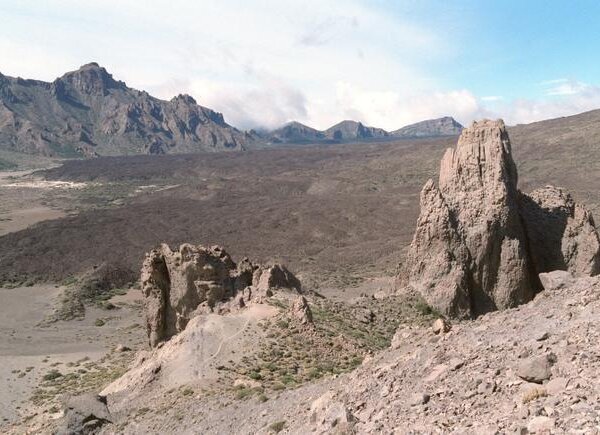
(88, 113)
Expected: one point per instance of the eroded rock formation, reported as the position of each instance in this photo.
(562, 234)
(480, 243)
(178, 285)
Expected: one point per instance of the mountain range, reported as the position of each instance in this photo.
(354, 131)
(88, 113)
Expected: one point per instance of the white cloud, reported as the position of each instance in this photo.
(257, 61)
(492, 98)
(563, 87)
(263, 63)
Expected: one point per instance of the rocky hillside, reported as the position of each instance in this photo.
(446, 126)
(88, 113)
(528, 370)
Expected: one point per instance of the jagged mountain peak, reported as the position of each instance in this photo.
(91, 78)
(86, 112)
(184, 98)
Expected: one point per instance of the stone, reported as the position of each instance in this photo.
(555, 279)
(419, 399)
(561, 233)
(84, 414)
(122, 348)
(328, 413)
(541, 425)
(440, 326)
(535, 369)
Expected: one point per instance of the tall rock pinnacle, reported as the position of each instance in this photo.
(471, 252)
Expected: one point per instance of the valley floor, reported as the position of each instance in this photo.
(33, 350)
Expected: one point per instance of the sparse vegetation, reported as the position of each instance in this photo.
(277, 427)
(52, 375)
(534, 394)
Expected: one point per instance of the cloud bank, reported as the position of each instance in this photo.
(263, 63)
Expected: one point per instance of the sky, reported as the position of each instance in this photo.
(385, 63)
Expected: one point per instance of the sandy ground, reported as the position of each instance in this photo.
(22, 198)
(378, 286)
(28, 350)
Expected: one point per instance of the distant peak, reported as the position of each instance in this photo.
(445, 126)
(184, 98)
(91, 78)
(91, 65)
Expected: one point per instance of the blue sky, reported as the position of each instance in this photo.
(386, 63)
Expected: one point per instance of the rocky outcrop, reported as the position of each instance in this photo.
(468, 255)
(177, 285)
(301, 312)
(562, 234)
(480, 243)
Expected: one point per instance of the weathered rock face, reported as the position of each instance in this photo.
(468, 255)
(437, 264)
(562, 234)
(177, 285)
(480, 243)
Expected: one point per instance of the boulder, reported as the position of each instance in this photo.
(535, 369)
(440, 326)
(541, 424)
(84, 414)
(561, 233)
(556, 279)
(272, 277)
(330, 415)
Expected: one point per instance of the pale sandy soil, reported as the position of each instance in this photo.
(22, 199)
(28, 350)
(377, 286)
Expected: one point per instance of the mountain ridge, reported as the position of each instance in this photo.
(350, 130)
(87, 113)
